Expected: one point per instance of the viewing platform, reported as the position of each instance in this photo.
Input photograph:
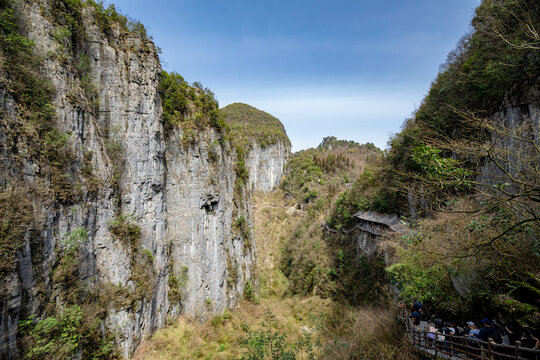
(443, 346)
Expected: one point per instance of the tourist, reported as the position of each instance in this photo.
(416, 305)
(448, 328)
(416, 317)
(527, 340)
(459, 330)
(535, 334)
(510, 337)
(439, 331)
(474, 331)
(438, 325)
(432, 330)
(488, 333)
(531, 340)
(472, 336)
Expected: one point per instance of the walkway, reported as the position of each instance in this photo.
(460, 347)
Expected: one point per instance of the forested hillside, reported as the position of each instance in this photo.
(464, 173)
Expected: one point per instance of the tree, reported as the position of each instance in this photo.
(484, 228)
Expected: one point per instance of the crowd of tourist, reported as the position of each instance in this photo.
(485, 330)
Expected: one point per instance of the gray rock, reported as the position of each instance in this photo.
(183, 200)
(266, 165)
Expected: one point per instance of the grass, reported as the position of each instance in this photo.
(274, 219)
(126, 230)
(345, 332)
(216, 339)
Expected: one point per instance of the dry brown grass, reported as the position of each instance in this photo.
(462, 240)
(275, 217)
(219, 337)
(366, 333)
(347, 333)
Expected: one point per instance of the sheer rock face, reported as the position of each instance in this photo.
(518, 153)
(266, 165)
(514, 156)
(182, 196)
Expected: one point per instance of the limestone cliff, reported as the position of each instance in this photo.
(266, 165)
(267, 146)
(515, 125)
(120, 215)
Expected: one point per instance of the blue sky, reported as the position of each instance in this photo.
(349, 68)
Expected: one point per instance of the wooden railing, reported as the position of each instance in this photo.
(461, 347)
(357, 226)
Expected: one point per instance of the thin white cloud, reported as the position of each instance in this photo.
(310, 114)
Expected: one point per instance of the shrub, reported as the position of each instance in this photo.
(267, 343)
(55, 337)
(176, 94)
(347, 204)
(66, 336)
(106, 17)
(172, 90)
(124, 229)
(15, 218)
(241, 170)
(249, 292)
(177, 283)
(418, 282)
(66, 272)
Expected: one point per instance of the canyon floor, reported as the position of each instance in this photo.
(307, 325)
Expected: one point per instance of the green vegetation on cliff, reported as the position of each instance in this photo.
(71, 311)
(499, 61)
(191, 107)
(254, 125)
(106, 17)
(33, 125)
(468, 180)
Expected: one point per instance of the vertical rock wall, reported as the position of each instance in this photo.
(266, 165)
(512, 116)
(201, 207)
(182, 196)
